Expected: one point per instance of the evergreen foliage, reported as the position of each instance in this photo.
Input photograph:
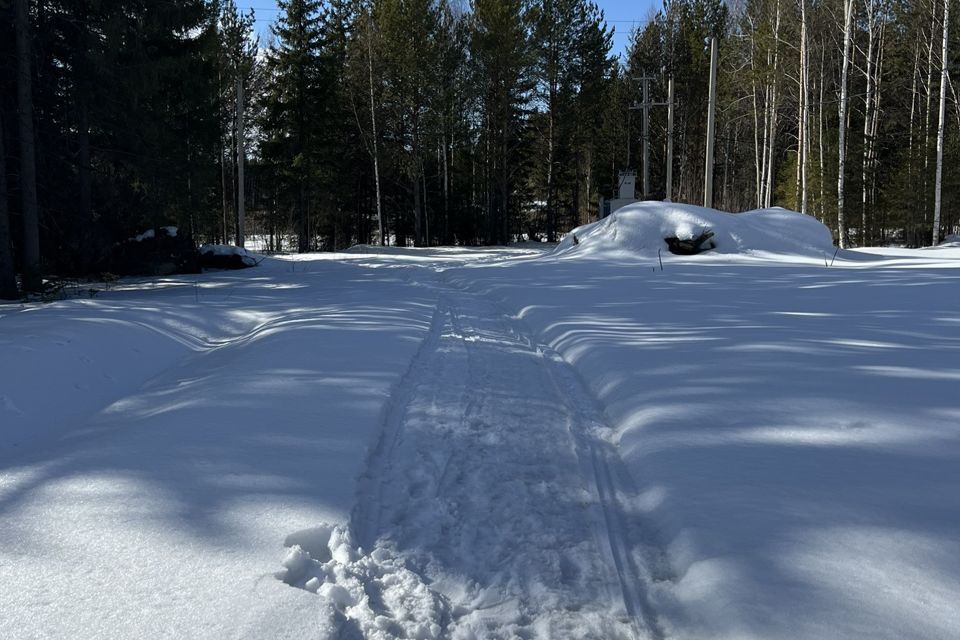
(441, 122)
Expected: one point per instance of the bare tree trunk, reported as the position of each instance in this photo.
(756, 130)
(81, 85)
(772, 138)
(8, 277)
(874, 124)
(241, 156)
(30, 214)
(867, 114)
(551, 117)
(223, 171)
(913, 108)
(926, 115)
(446, 194)
(842, 151)
(373, 125)
(426, 210)
(823, 166)
(803, 145)
(944, 79)
(763, 148)
(417, 219)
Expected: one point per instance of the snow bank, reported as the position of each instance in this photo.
(639, 230)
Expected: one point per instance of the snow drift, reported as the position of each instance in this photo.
(640, 229)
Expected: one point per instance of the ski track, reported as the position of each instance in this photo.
(492, 506)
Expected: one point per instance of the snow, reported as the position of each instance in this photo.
(150, 233)
(494, 443)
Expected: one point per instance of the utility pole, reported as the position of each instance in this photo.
(669, 194)
(711, 125)
(645, 107)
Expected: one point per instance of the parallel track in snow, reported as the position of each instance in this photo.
(611, 480)
(491, 482)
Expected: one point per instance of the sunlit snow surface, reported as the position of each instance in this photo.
(789, 435)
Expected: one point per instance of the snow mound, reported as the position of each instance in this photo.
(640, 229)
(951, 240)
(374, 594)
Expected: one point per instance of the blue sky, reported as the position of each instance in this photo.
(623, 15)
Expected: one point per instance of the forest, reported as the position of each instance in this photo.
(429, 122)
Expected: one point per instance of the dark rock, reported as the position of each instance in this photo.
(691, 246)
(159, 254)
(211, 260)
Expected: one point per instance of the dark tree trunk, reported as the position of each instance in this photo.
(8, 280)
(32, 280)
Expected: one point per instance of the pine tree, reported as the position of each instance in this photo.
(238, 61)
(501, 54)
(294, 106)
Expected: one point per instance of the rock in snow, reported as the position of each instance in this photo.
(225, 256)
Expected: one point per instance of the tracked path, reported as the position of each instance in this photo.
(491, 507)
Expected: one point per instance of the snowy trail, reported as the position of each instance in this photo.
(491, 506)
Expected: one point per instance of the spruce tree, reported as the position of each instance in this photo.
(500, 51)
(294, 108)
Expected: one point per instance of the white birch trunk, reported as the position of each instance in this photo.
(772, 138)
(373, 127)
(804, 137)
(241, 157)
(842, 148)
(944, 79)
(867, 114)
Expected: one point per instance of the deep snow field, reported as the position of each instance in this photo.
(495, 443)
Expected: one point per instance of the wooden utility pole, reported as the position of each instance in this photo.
(711, 125)
(645, 107)
(32, 280)
(669, 192)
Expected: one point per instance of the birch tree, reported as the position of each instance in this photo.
(842, 145)
(944, 79)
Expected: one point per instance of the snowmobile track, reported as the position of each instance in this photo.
(492, 482)
(600, 460)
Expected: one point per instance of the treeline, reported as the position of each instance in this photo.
(790, 72)
(436, 122)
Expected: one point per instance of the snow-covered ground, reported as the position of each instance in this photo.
(494, 443)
